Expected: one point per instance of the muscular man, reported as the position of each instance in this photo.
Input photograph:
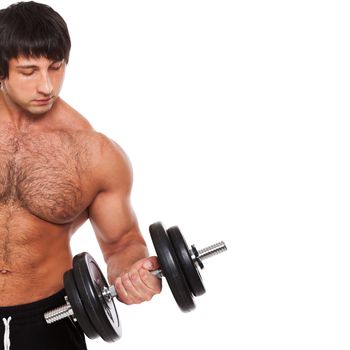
(56, 172)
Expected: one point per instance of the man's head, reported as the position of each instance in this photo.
(31, 29)
(34, 49)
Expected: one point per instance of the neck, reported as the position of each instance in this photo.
(16, 116)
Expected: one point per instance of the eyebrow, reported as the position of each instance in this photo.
(33, 66)
(27, 66)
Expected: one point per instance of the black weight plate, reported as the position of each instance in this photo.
(188, 266)
(77, 306)
(170, 268)
(90, 283)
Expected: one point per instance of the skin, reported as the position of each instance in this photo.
(56, 172)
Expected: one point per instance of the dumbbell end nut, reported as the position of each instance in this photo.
(207, 252)
(59, 313)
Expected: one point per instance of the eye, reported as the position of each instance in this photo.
(56, 66)
(28, 73)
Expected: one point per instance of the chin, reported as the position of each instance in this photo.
(39, 110)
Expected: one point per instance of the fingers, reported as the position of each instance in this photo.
(152, 282)
(136, 286)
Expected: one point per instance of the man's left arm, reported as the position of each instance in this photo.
(117, 231)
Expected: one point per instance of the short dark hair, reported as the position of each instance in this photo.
(32, 29)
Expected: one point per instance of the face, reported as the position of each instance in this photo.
(33, 84)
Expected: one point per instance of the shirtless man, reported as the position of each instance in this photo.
(56, 172)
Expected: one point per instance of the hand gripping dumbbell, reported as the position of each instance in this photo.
(90, 300)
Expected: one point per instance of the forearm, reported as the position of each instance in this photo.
(122, 258)
(128, 268)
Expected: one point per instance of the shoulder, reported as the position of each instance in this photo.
(108, 150)
(111, 165)
(66, 117)
(108, 163)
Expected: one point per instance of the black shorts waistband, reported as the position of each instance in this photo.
(37, 308)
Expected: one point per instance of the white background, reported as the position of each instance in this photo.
(235, 115)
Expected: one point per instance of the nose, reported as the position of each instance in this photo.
(45, 86)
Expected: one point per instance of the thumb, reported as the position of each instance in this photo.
(151, 263)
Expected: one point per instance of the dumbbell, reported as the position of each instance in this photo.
(90, 300)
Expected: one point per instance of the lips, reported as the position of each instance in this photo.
(43, 101)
